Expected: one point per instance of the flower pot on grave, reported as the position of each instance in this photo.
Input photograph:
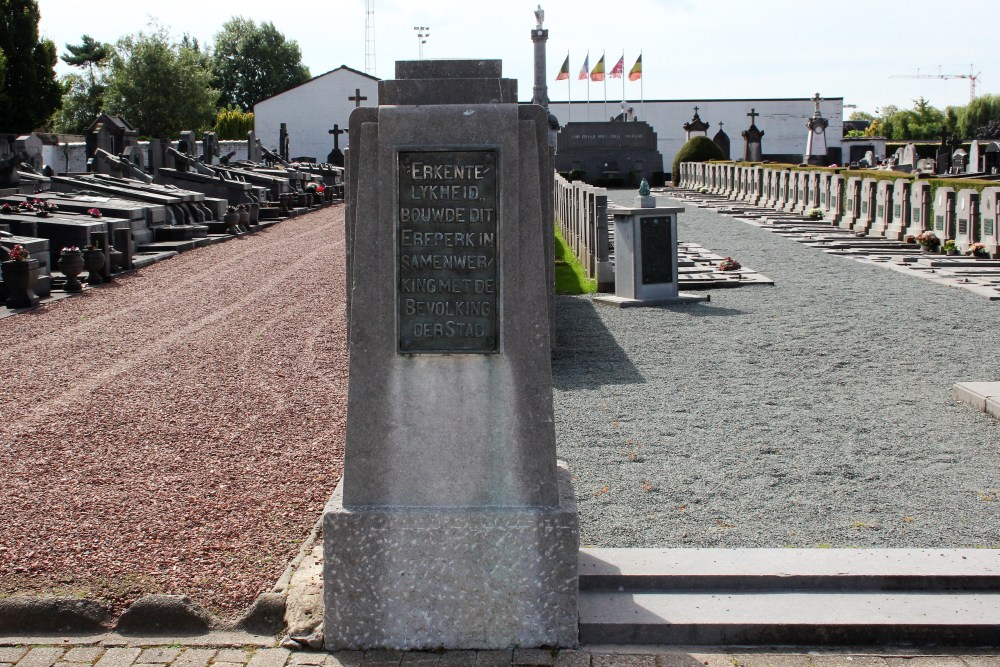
(244, 220)
(232, 219)
(116, 257)
(20, 279)
(952, 252)
(93, 261)
(71, 266)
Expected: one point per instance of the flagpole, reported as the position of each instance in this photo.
(588, 84)
(642, 97)
(623, 82)
(604, 79)
(569, 92)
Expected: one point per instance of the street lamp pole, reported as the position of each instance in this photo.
(423, 32)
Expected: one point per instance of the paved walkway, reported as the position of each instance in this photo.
(169, 652)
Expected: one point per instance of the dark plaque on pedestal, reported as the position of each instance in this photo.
(657, 247)
(447, 252)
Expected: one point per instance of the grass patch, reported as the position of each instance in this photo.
(570, 276)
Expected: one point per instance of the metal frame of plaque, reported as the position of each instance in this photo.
(447, 250)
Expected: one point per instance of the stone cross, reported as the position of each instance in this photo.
(336, 132)
(696, 111)
(357, 98)
(816, 100)
(753, 116)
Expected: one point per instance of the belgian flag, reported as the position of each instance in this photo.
(635, 73)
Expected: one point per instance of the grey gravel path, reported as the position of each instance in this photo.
(813, 413)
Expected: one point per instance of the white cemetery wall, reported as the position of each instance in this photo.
(312, 109)
(782, 120)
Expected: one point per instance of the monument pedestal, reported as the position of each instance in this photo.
(426, 578)
(646, 257)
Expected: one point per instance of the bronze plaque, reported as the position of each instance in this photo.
(657, 250)
(446, 233)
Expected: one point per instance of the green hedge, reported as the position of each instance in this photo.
(697, 149)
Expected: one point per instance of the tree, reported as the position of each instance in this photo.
(251, 62)
(158, 86)
(979, 113)
(87, 53)
(82, 94)
(29, 92)
(82, 102)
(861, 115)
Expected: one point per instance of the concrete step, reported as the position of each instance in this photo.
(732, 570)
(787, 618)
(789, 596)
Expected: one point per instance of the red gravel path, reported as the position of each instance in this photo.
(179, 430)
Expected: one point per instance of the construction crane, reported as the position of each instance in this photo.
(973, 78)
(370, 37)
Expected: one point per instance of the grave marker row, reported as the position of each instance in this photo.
(886, 208)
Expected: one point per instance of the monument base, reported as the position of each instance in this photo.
(625, 302)
(455, 578)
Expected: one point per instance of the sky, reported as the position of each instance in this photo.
(691, 49)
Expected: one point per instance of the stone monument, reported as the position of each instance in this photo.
(721, 139)
(752, 140)
(696, 127)
(816, 150)
(646, 269)
(453, 526)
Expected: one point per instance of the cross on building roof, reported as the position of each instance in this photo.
(753, 115)
(357, 98)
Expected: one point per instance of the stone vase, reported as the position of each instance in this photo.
(244, 220)
(232, 219)
(21, 278)
(116, 258)
(71, 266)
(93, 261)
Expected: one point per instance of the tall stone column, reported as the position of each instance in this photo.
(540, 36)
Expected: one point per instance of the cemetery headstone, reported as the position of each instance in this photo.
(210, 148)
(336, 156)
(944, 213)
(721, 139)
(943, 159)
(852, 202)
(752, 138)
(449, 340)
(899, 215)
(920, 208)
(989, 213)
(188, 143)
(883, 210)
(816, 149)
(967, 220)
(253, 148)
(974, 165)
(958, 161)
(908, 159)
(283, 149)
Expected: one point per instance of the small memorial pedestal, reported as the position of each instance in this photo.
(646, 257)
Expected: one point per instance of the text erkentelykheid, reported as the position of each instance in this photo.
(447, 251)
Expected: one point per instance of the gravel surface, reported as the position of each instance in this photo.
(179, 430)
(816, 412)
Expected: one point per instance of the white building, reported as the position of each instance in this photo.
(311, 109)
(783, 121)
